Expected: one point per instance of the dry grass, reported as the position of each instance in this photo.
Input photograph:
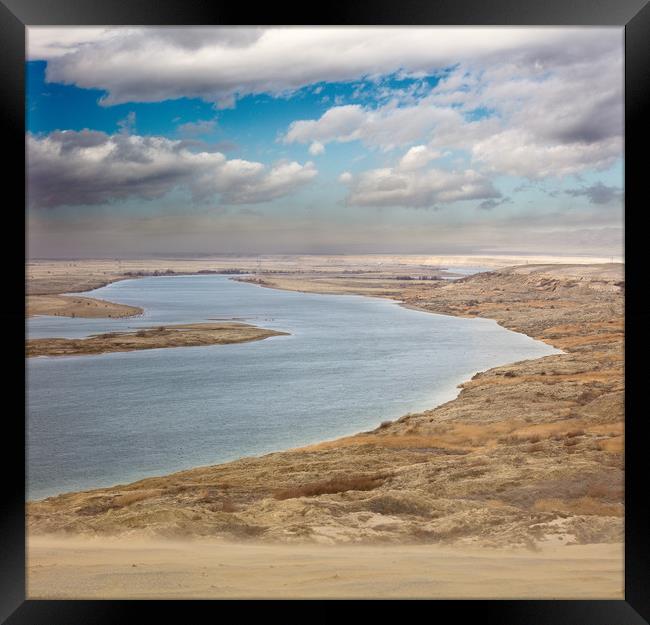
(607, 490)
(329, 487)
(590, 339)
(602, 375)
(228, 506)
(103, 504)
(122, 501)
(471, 436)
(612, 445)
(587, 506)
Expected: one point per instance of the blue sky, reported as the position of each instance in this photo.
(324, 140)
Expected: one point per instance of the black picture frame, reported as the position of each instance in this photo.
(634, 15)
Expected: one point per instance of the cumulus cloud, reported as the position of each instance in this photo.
(151, 64)
(423, 188)
(529, 102)
(519, 152)
(316, 148)
(537, 129)
(385, 127)
(89, 167)
(538, 113)
(598, 193)
(417, 157)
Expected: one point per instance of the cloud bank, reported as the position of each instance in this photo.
(151, 64)
(89, 167)
(469, 118)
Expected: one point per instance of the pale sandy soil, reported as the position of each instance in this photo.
(142, 569)
(180, 335)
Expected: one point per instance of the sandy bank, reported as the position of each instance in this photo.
(77, 306)
(142, 569)
(187, 335)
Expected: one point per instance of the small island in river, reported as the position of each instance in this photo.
(75, 306)
(181, 335)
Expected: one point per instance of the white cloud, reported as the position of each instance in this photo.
(151, 64)
(316, 148)
(89, 167)
(535, 116)
(417, 189)
(385, 127)
(417, 157)
(520, 153)
(339, 123)
(278, 181)
(531, 102)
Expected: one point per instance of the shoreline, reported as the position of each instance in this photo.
(475, 431)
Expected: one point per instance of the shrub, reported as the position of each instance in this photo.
(574, 433)
(391, 505)
(228, 506)
(121, 501)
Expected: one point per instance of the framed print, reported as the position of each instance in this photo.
(337, 306)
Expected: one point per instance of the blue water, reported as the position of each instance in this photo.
(349, 363)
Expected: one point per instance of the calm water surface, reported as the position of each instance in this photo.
(350, 363)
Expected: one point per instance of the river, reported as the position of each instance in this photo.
(349, 363)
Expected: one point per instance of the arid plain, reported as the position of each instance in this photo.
(523, 470)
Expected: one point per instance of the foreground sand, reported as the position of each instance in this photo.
(180, 335)
(147, 569)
